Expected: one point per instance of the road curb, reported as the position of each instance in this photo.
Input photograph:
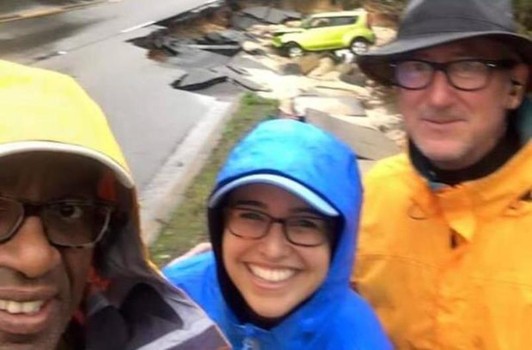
(161, 196)
(42, 11)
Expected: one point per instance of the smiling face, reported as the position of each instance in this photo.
(273, 275)
(455, 128)
(41, 285)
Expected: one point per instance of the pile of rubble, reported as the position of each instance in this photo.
(231, 51)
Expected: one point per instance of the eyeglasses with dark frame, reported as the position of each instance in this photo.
(71, 223)
(465, 74)
(301, 230)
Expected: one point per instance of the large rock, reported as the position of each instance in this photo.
(326, 64)
(308, 63)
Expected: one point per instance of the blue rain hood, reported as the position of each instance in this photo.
(311, 157)
(334, 317)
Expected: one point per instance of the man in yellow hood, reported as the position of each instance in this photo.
(73, 270)
(444, 254)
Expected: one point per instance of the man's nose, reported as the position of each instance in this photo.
(29, 251)
(440, 91)
(274, 245)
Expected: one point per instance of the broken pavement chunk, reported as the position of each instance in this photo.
(366, 142)
(198, 79)
(270, 14)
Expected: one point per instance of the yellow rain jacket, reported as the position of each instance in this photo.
(429, 295)
(131, 305)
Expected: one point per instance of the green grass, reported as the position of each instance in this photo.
(187, 226)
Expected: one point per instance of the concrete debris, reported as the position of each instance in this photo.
(341, 105)
(357, 91)
(368, 143)
(239, 78)
(246, 62)
(253, 48)
(327, 88)
(251, 85)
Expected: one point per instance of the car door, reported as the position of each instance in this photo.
(318, 35)
(339, 27)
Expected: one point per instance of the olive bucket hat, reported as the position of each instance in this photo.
(427, 23)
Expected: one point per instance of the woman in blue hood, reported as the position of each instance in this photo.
(283, 221)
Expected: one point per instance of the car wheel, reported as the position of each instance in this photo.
(293, 50)
(359, 46)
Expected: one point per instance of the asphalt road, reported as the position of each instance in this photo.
(161, 129)
(30, 39)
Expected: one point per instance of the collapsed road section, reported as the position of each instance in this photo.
(204, 46)
(229, 47)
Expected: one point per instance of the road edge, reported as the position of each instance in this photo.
(161, 196)
(46, 11)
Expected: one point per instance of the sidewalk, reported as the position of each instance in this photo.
(11, 10)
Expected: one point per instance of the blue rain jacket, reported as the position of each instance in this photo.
(334, 317)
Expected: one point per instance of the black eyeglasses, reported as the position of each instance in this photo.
(466, 74)
(306, 231)
(69, 223)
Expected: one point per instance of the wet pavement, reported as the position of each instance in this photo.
(12, 10)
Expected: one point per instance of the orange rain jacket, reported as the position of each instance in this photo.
(428, 295)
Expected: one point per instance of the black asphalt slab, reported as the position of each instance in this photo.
(272, 15)
(198, 79)
(243, 22)
(239, 77)
(188, 58)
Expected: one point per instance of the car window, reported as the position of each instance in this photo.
(319, 22)
(342, 21)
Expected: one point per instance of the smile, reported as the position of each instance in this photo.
(271, 275)
(17, 307)
(442, 121)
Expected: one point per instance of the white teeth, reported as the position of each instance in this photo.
(272, 275)
(16, 307)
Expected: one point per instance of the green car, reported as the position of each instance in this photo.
(327, 31)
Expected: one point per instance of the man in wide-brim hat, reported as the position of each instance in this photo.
(444, 251)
